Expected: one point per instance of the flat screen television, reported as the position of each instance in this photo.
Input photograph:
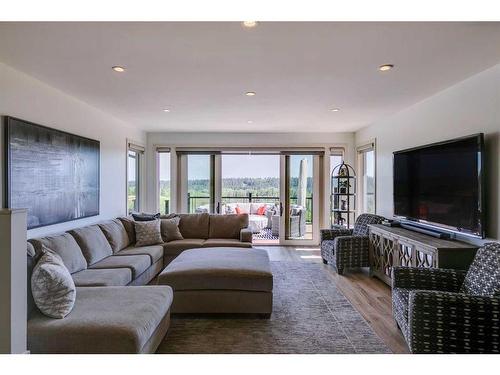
(441, 185)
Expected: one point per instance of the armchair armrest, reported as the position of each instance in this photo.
(428, 278)
(444, 322)
(246, 235)
(330, 234)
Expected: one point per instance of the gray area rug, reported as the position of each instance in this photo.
(310, 315)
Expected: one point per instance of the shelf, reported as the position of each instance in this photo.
(340, 177)
(346, 194)
(344, 211)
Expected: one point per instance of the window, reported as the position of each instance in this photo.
(164, 178)
(366, 168)
(135, 154)
(336, 157)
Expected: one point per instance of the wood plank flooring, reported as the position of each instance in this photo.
(368, 295)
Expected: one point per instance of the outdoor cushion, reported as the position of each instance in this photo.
(137, 263)
(128, 224)
(93, 243)
(227, 226)
(194, 225)
(103, 320)
(177, 247)
(219, 269)
(103, 277)
(52, 287)
(115, 234)
(225, 242)
(66, 247)
(155, 252)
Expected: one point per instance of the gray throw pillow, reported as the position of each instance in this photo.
(52, 286)
(147, 233)
(170, 229)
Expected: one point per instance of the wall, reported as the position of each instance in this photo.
(469, 107)
(249, 140)
(27, 98)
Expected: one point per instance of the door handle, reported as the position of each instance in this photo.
(281, 208)
(218, 207)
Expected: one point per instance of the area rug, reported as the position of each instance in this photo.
(310, 315)
(265, 234)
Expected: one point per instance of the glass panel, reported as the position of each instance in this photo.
(200, 183)
(164, 181)
(251, 184)
(334, 161)
(132, 183)
(300, 197)
(369, 181)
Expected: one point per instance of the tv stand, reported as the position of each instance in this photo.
(397, 246)
(426, 231)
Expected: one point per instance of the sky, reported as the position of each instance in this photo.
(234, 166)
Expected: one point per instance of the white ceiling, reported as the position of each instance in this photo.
(299, 70)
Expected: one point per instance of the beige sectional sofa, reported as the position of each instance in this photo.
(114, 312)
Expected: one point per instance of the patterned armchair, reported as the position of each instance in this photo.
(449, 311)
(343, 248)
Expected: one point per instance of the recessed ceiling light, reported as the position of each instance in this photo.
(335, 109)
(250, 93)
(166, 110)
(119, 69)
(249, 24)
(385, 67)
(249, 122)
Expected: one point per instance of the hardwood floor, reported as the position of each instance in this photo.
(370, 296)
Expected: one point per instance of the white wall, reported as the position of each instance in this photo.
(27, 98)
(249, 140)
(469, 107)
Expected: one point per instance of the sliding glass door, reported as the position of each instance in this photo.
(200, 189)
(300, 190)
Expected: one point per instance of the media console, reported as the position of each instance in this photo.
(396, 246)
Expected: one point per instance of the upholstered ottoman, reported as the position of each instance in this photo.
(220, 280)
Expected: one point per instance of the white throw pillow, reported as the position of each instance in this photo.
(52, 286)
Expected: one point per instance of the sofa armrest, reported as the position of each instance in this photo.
(330, 234)
(444, 322)
(246, 235)
(428, 278)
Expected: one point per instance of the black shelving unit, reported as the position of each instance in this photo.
(343, 196)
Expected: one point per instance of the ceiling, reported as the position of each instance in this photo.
(299, 70)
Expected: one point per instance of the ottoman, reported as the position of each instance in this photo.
(220, 280)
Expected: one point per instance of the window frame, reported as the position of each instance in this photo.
(361, 150)
(139, 150)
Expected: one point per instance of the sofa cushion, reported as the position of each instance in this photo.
(194, 225)
(227, 226)
(52, 287)
(66, 247)
(103, 320)
(115, 234)
(136, 263)
(170, 229)
(225, 242)
(176, 247)
(483, 276)
(93, 243)
(147, 233)
(103, 277)
(155, 252)
(128, 224)
(219, 269)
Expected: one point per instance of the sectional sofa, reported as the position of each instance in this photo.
(114, 312)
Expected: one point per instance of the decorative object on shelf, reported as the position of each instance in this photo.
(343, 196)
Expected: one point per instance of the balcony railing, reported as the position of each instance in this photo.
(196, 201)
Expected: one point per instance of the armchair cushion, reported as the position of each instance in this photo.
(483, 277)
(444, 322)
(427, 278)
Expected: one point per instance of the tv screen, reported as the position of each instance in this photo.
(441, 185)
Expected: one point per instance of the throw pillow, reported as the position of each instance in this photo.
(146, 217)
(52, 286)
(147, 233)
(170, 229)
(238, 210)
